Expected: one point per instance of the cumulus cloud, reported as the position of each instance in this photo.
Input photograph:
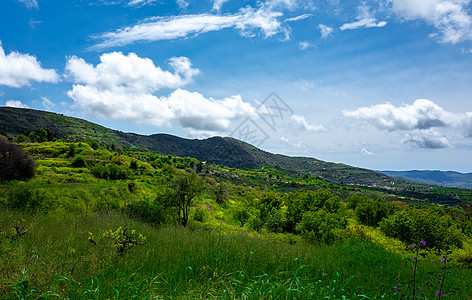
(248, 20)
(422, 114)
(451, 18)
(17, 70)
(325, 31)
(421, 122)
(16, 103)
(304, 125)
(365, 19)
(122, 86)
(30, 3)
(431, 140)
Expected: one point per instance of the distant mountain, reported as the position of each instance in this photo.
(449, 178)
(216, 150)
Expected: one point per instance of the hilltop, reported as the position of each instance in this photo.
(226, 151)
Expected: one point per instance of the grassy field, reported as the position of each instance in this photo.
(55, 259)
(68, 234)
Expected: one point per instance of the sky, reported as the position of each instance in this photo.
(378, 84)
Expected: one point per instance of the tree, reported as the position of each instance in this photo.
(220, 191)
(14, 162)
(185, 188)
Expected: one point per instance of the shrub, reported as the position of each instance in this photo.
(23, 198)
(370, 212)
(143, 210)
(437, 228)
(14, 162)
(79, 162)
(320, 226)
(199, 214)
(110, 172)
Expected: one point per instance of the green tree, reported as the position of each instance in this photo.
(370, 212)
(185, 188)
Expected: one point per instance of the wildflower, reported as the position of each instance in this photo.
(395, 288)
(443, 259)
(413, 246)
(439, 277)
(415, 257)
(423, 243)
(438, 293)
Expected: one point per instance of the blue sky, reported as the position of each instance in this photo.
(380, 84)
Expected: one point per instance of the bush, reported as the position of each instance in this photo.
(436, 227)
(23, 198)
(14, 162)
(320, 226)
(110, 172)
(79, 162)
(149, 212)
(370, 212)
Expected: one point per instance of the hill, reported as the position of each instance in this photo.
(442, 178)
(226, 151)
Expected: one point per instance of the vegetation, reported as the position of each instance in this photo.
(14, 162)
(95, 223)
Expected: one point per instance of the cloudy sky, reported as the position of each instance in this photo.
(380, 84)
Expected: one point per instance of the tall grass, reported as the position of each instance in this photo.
(54, 259)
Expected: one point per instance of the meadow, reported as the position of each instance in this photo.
(97, 223)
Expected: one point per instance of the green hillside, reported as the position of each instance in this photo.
(95, 223)
(219, 151)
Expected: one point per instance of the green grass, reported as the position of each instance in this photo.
(55, 258)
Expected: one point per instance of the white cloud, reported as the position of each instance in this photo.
(17, 70)
(366, 152)
(422, 122)
(121, 87)
(422, 114)
(305, 45)
(363, 23)
(139, 3)
(325, 31)
(298, 144)
(16, 103)
(47, 104)
(247, 20)
(304, 125)
(298, 18)
(30, 3)
(218, 4)
(365, 19)
(183, 4)
(451, 18)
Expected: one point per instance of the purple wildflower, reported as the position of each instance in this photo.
(395, 288)
(423, 243)
(413, 246)
(415, 257)
(438, 293)
(443, 259)
(439, 277)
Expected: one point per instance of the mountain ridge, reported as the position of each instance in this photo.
(435, 177)
(225, 151)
